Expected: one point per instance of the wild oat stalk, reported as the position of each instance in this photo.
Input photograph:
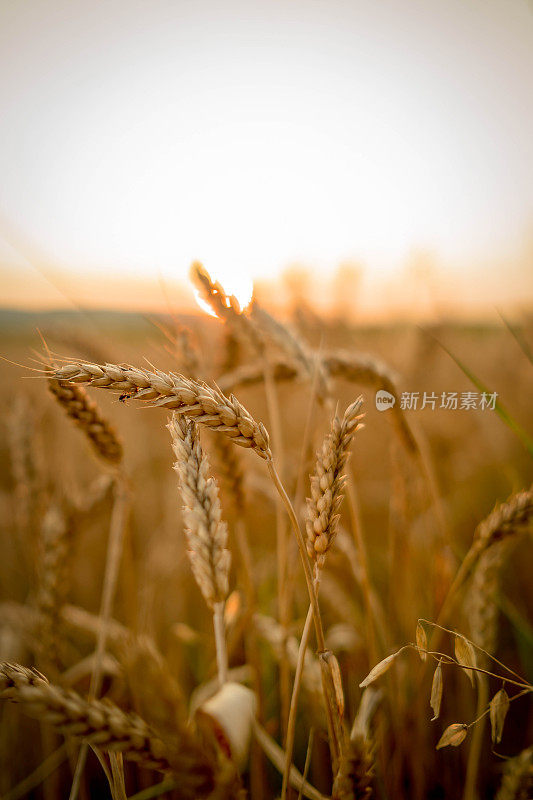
(207, 534)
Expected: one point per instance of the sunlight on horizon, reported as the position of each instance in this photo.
(137, 138)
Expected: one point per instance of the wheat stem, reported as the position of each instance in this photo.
(291, 723)
(220, 642)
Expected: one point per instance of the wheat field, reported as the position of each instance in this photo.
(227, 574)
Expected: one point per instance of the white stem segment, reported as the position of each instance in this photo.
(220, 642)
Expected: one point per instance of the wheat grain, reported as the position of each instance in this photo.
(194, 399)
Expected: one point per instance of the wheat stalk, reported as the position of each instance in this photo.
(483, 614)
(194, 399)
(483, 611)
(282, 369)
(296, 350)
(513, 516)
(322, 521)
(26, 468)
(227, 307)
(56, 540)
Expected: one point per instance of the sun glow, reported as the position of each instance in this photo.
(236, 284)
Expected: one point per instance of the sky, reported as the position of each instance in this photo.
(139, 136)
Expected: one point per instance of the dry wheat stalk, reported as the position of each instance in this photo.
(226, 307)
(86, 345)
(106, 726)
(230, 469)
(157, 694)
(369, 371)
(321, 524)
(194, 399)
(284, 646)
(513, 516)
(354, 777)
(25, 463)
(206, 533)
(56, 540)
(252, 374)
(517, 782)
(483, 612)
(232, 351)
(184, 348)
(327, 484)
(129, 648)
(296, 350)
(88, 417)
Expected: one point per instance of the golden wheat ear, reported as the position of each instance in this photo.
(193, 399)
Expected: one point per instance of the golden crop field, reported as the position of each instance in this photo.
(226, 573)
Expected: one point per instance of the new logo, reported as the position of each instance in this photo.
(384, 400)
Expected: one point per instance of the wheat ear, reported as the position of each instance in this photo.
(85, 413)
(207, 534)
(194, 399)
(100, 723)
(328, 482)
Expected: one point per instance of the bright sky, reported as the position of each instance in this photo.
(138, 136)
